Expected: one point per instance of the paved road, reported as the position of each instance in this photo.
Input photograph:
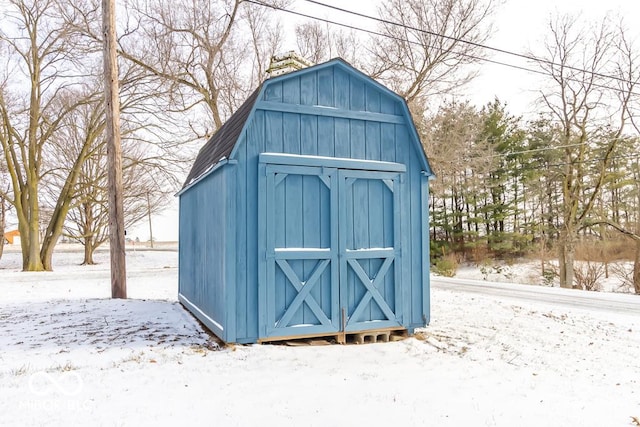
(608, 302)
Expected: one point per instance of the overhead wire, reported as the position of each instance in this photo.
(468, 42)
(499, 50)
(474, 57)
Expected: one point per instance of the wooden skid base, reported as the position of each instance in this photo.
(361, 337)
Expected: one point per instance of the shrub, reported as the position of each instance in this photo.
(624, 272)
(588, 274)
(549, 276)
(446, 266)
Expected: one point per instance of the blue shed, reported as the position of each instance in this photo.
(306, 213)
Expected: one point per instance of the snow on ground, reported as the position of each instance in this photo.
(530, 272)
(70, 355)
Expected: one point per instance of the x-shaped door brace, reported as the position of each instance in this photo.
(303, 289)
(372, 288)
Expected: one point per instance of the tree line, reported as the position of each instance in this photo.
(568, 176)
(502, 183)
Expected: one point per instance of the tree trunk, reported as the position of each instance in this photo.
(566, 258)
(88, 251)
(88, 234)
(3, 223)
(33, 261)
(54, 230)
(636, 269)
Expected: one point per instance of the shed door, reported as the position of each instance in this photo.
(370, 249)
(331, 239)
(301, 295)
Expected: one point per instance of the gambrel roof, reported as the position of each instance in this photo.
(220, 145)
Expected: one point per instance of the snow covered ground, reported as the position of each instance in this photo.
(71, 356)
(528, 272)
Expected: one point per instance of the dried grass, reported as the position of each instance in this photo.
(621, 249)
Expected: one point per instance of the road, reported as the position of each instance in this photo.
(627, 304)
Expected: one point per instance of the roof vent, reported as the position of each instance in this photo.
(286, 63)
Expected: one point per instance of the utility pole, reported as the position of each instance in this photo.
(114, 152)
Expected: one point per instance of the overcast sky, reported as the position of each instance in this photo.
(519, 26)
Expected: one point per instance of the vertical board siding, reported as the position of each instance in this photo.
(202, 276)
(273, 92)
(273, 132)
(357, 138)
(325, 87)
(342, 137)
(243, 265)
(387, 105)
(341, 89)
(377, 191)
(372, 141)
(357, 94)
(326, 137)
(291, 133)
(372, 99)
(309, 89)
(388, 142)
(309, 135)
(291, 90)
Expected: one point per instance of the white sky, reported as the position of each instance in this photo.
(519, 25)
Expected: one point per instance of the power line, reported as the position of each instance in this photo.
(376, 33)
(356, 28)
(477, 58)
(475, 44)
(596, 160)
(535, 150)
(577, 162)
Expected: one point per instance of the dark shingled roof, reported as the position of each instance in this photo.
(222, 142)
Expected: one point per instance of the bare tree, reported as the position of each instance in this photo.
(42, 85)
(266, 40)
(208, 54)
(150, 163)
(591, 118)
(312, 39)
(147, 190)
(629, 71)
(319, 42)
(429, 50)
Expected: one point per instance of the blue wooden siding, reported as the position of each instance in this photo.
(328, 112)
(202, 250)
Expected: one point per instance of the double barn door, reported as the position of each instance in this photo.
(331, 236)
